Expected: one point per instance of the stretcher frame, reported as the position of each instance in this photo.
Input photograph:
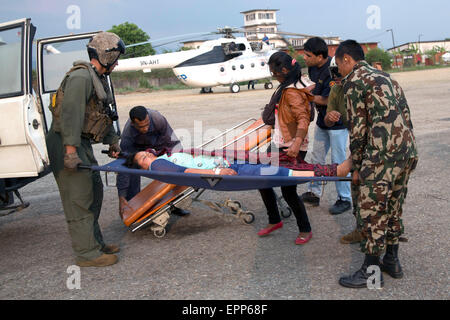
(158, 214)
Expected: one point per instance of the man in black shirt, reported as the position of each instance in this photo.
(145, 129)
(335, 137)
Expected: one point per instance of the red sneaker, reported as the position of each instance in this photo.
(266, 231)
(303, 240)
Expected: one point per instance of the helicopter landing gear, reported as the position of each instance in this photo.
(268, 85)
(235, 88)
(206, 90)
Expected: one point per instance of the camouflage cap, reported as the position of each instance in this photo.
(106, 47)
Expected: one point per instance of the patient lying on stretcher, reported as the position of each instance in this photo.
(205, 164)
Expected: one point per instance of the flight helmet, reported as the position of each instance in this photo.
(106, 47)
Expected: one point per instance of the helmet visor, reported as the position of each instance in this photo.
(120, 47)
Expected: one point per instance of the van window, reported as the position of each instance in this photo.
(11, 62)
(58, 58)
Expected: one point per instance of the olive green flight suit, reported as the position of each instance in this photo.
(81, 191)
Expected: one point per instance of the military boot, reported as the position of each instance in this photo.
(391, 263)
(360, 277)
(352, 237)
(102, 261)
(110, 249)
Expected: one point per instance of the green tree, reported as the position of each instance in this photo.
(300, 59)
(185, 48)
(131, 34)
(379, 55)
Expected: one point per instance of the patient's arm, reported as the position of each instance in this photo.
(344, 168)
(302, 173)
(223, 171)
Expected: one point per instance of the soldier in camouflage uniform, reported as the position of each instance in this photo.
(81, 116)
(384, 153)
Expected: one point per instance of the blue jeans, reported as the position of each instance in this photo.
(247, 169)
(337, 140)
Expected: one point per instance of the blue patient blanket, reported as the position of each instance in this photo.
(214, 182)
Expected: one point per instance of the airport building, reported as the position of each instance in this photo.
(421, 52)
(259, 23)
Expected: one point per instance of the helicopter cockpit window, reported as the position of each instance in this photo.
(11, 62)
(256, 46)
(233, 49)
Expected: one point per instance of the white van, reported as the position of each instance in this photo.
(25, 117)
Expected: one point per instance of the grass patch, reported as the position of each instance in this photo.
(177, 86)
(418, 68)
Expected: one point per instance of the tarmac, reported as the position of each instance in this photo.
(209, 255)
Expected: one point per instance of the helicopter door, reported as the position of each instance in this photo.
(23, 152)
(55, 56)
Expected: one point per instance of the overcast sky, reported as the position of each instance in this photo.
(362, 20)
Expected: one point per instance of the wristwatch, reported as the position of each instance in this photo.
(217, 170)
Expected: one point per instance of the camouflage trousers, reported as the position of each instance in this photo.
(380, 199)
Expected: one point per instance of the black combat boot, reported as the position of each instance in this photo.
(360, 277)
(391, 263)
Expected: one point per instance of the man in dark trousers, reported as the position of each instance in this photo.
(334, 137)
(145, 129)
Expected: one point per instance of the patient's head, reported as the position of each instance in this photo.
(141, 160)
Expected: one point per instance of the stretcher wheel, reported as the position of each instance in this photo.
(233, 205)
(236, 206)
(248, 217)
(286, 212)
(159, 233)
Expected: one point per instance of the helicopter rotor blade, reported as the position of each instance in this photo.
(239, 30)
(301, 35)
(179, 38)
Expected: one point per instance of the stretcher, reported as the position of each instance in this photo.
(155, 202)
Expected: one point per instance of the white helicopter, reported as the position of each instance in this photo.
(224, 61)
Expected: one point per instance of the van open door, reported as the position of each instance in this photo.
(23, 152)
(55, 56)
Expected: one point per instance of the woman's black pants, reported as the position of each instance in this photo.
(293, 200)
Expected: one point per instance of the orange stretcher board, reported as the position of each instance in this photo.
(157, 194)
